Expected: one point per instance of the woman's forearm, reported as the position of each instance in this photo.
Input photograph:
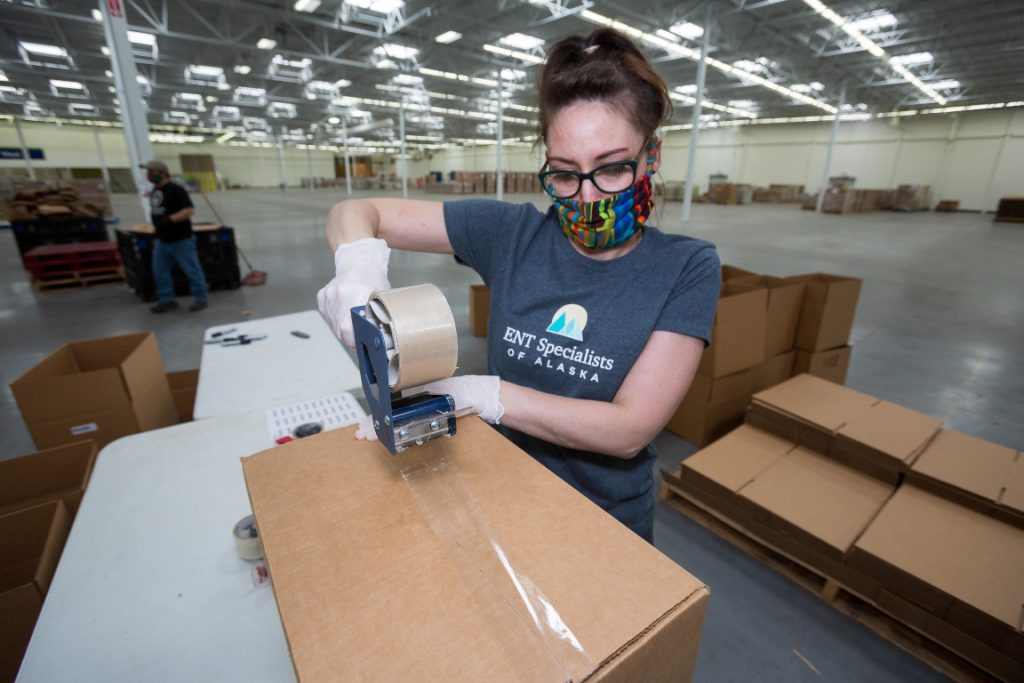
(351, 220)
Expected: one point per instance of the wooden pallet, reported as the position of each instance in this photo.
(933, 654)
(91, 277)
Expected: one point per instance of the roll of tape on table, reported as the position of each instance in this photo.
(247, 539)
(419, 331)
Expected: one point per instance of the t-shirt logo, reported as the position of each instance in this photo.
(569, 321)
(155, 201)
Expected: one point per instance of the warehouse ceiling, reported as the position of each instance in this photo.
(304, 70)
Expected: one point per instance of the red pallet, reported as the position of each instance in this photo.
(66, 258)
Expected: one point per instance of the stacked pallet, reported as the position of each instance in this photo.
(915, 524)
(215, 244)
(84, 264)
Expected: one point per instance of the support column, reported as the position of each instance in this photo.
(103, 167)
(133, 114)
(309, 165)
(280, 165)
(831, 146)
(24, 149)
(348, 165)
(401, 154)
(691, 159)
(500, 175)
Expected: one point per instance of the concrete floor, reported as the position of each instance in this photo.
(938, 329)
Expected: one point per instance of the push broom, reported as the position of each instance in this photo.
(254, 278)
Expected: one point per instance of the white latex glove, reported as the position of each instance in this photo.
(361, 268)
(479, 394)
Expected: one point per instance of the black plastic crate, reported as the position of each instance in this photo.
(31, 234)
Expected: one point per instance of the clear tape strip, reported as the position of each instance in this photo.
(528, 624)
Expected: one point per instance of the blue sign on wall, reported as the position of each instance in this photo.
(16, 153)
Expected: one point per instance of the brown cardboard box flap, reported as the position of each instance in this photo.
(19, 609)
(827, 500)
(892, 430)
(31, 541)
(51, 473)
(967, 555)
(817, 401)
(1013, 490)
(736, 458)
(965, 462)
(433, 549)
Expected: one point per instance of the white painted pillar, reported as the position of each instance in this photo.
(103, 166)
(133, 113)
(401, 154)
(280, 165)
(691, 161)
(24, 149)
(500, 186)
(348, 165)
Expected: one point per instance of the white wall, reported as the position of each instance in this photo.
(974, 157)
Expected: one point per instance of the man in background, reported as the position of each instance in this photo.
(172, 211)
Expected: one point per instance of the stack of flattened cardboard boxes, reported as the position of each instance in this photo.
(480, 580)
(39, 496)
(925, 524)
(766, 330)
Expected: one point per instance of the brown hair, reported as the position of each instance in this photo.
(605, 66)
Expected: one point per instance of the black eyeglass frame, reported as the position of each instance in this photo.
(591, 176)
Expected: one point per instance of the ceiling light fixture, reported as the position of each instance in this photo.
(308, 6)
(266, 43)
(242, 69)
(448, 37)
(897, 64)
(515, 54)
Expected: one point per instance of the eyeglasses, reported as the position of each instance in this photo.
(608, 178)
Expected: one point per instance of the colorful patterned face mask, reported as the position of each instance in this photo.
(610, 221)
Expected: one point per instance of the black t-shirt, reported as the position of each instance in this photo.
(165, 201)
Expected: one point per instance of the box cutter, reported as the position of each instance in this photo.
(400, 421)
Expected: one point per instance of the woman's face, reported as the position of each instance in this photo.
(588, 133)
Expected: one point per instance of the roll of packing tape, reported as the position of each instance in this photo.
(247, 539)
(419, 331)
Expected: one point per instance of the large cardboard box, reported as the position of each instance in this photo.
(712, 407)
(101, 389)
(31, 541)
(965, 567)
(829, 306)
(732, 462)
(831, 364)
(738, 334)
(967, 470)
(774, 370)
(807, 410)
(474, 579)
(61, 473)
(479, 309)
(884, 440)
(184, 384)
(736, 273)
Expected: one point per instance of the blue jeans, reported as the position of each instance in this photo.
(182, 252)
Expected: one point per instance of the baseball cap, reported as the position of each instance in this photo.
(156, 166)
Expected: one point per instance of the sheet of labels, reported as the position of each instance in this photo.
(331, 412)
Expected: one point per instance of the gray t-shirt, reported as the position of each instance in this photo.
(570, 325)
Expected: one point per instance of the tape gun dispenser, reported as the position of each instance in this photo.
(405, 338)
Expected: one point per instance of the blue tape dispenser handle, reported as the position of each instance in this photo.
(400, 422)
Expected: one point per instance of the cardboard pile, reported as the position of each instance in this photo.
(952, 572)
(101, 389)
(435, 551)
(43, 204)
(766, 330)
(476, 182)
(912, 198)
(1010, 210)
(974, 473)
(955, 574)
(31, 541)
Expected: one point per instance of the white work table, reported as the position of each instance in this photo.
(280, 369)
(150, 587)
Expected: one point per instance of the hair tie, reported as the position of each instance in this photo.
(589, 50)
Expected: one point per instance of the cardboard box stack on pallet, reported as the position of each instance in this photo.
(779, 194)
(730, 193)
(39, 496)
(485, 182)
(1010, 210)
(455, 543)
(766, 330)
(215, 244)
(924, 524)
(674, 191)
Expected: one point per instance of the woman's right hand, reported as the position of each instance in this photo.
(361, 268)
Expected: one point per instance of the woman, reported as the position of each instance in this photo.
(597, 322)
